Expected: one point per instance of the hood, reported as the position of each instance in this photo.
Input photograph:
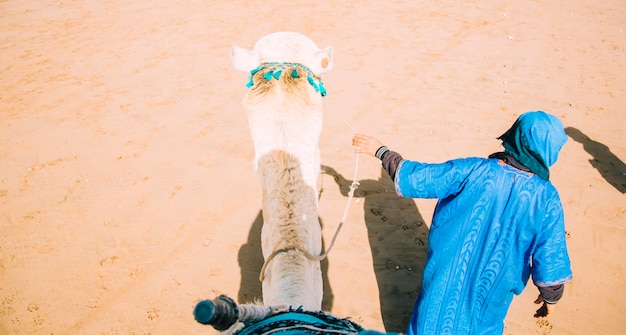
(535, 140)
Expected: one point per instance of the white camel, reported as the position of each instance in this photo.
(285, 117)
(284, 110)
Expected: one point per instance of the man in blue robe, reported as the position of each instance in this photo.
(498, 221)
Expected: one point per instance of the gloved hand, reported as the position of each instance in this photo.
(545, 308)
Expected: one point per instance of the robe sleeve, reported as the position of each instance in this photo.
(550, 260)
(421, 180)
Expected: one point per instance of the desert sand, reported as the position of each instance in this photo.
(127, 191)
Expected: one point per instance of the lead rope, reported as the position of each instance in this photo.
(353, 187)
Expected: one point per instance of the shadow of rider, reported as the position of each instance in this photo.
(398, 240)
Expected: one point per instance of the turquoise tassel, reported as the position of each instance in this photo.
(322, 89)
(252, 73)
(277, 74)
(294, 74)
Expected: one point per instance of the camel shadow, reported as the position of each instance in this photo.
(251, 260)
(612, 169)
(398, 238)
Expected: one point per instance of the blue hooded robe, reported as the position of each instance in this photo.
(494, 226)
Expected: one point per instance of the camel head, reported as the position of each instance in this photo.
(283, 47)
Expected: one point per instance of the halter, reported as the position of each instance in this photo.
(276, 69)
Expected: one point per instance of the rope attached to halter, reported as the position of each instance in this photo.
(353, 187)
(276, 69)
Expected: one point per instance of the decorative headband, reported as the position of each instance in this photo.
(276, 69)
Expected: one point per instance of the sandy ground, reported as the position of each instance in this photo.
(127, 192)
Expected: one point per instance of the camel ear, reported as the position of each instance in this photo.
(323, 61)
(244, 59)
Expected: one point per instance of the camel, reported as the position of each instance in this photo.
(284, 111)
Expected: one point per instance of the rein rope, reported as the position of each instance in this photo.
(353, 187)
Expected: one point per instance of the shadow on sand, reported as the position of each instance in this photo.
(398, 241)
(251, 261)
(612, 169)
